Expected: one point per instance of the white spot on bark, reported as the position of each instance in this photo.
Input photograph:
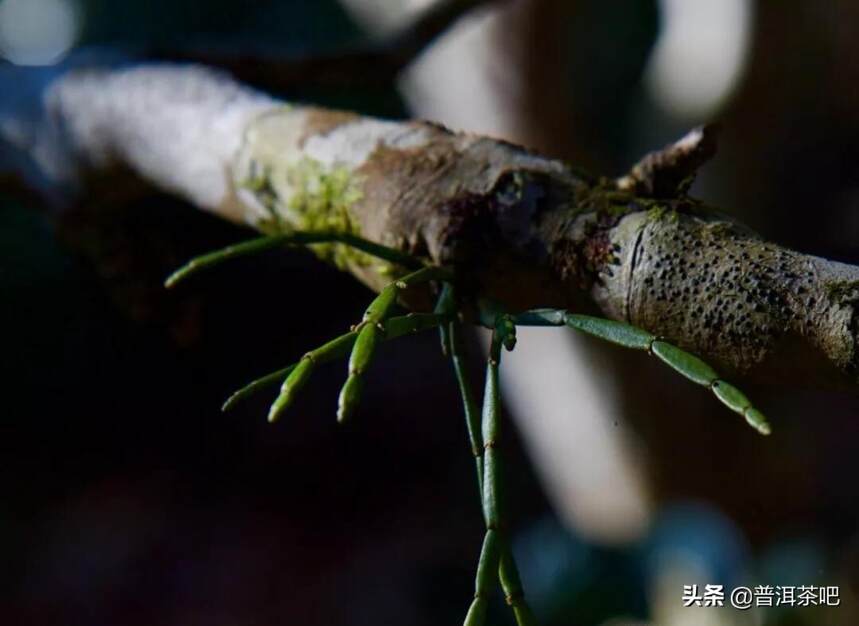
(351, 144)
(178, 127)
(277, 141)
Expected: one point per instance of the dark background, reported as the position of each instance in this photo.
(128, 498)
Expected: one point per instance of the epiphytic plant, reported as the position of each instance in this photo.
(483, 229)
(455, 306)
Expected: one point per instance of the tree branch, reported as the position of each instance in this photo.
(670, 172)
(376, 64)
(518, 228)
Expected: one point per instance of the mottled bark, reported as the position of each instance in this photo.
(521, 229)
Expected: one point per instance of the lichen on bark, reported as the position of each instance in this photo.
(526, 232)
(301, 193)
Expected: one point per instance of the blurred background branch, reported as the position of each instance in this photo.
(374, 64)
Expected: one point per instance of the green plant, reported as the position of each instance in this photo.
(452, 308)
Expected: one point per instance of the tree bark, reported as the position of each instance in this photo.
(519, 228)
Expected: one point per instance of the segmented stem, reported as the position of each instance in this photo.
(511, 583)
(446, 305)
(490, 426)
(413, 323)
(261, 244)
(370, 330)
(486, 571)
(299, 376)
(484, 439)
(636, 338)
(260, 383)
(469, 404)
(496, 557)
(394, 328)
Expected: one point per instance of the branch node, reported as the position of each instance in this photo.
(669, 172)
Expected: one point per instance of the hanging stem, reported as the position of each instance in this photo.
(511, 583)
(484, 439)
(486, 570)
(472, 415)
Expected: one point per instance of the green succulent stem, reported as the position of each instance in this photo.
(257, 385)
(262, 244)
(299, 376)
(472, 412)
(628, 336)
(483, 438)
(511, 583)
(487, 567)
(370, 330)
(395, 327)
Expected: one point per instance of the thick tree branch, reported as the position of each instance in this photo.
(516, 227)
